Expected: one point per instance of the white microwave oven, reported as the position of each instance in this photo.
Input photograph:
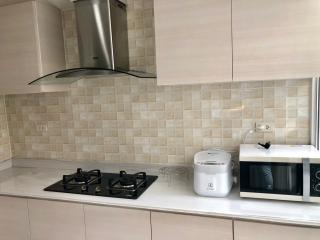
(282, 172)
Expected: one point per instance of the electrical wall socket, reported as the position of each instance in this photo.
(263, 127)
(42, 128)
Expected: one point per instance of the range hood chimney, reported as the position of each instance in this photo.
(102, 41)
(102, 34)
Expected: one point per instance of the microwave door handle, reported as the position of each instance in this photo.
(306, 179)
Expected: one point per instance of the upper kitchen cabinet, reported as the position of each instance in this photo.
(275, 39)
(31, 45)
(193, 41)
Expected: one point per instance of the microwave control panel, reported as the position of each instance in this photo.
(315, 180)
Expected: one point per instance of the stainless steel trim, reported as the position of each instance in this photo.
(306, 179)
(102, 34)
(110, 32)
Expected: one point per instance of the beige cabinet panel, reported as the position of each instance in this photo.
(50, 38)
(253, 231)
(9, 2)
(14, 223)
(31, 45)
(116, 223)
(185, 227)
(19, 60)
(275, 39)
(50, 220)
(193, 41)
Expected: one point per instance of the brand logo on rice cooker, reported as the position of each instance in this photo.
(210, 186)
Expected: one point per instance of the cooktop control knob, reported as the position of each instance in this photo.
(318, 174)
(84, 188)
(98, 189)
(317, 187)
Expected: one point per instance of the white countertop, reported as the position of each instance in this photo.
(160, 196)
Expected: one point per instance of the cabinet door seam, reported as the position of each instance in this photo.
(29, 222)
(84, 222)
(150, 225)
(233, 229)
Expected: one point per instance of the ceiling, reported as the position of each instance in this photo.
(62, 4)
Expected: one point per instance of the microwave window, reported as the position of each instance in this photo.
(273, 178)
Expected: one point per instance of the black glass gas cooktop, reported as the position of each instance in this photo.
(97, 183)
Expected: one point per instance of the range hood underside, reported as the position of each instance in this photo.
(72, 75)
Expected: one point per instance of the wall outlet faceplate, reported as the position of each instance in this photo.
(42, 128)
(263, 127)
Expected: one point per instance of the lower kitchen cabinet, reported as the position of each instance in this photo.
(14, 224)
(261, 231)
(50, 220)
(185, 227)
(30, 219)
(116, 223)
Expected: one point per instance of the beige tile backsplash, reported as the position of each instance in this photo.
(5, 152)
(133, 120)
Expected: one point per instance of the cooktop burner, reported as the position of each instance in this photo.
(97, 183)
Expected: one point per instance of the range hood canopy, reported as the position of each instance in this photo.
(103, 43)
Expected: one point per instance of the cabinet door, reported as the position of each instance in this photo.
(51, 38)
(193, 41)
(19, 59)
(31, 45)
(275, 39)
(14, 224)
(116, 223)
(52, 220)
(51, 44)
(184, 227)
(253, 231)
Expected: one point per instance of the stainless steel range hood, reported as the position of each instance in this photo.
(103, 43)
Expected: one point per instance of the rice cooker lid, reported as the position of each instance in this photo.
(212, 158)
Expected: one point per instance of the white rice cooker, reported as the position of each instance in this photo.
(212, 173)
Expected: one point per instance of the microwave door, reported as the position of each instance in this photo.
(286, 178)
(271, 178)
(261, 177)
